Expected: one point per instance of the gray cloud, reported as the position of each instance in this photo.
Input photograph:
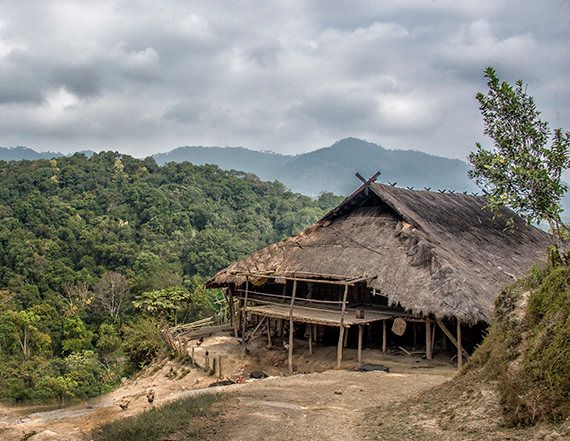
(288, 76)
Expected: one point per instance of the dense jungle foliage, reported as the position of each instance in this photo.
(97, 253)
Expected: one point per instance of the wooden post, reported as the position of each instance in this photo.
(310, 339)
(429, 347)
(207, 362)
(384, 336)
(233, 311)
(268, 331)
(459, 346)
(291, 328)
(193, 359)
(219, 366)
(345, 342)
(244, 312)
(341, 329)
(360, 331)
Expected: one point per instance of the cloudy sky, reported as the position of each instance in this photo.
(286, 75)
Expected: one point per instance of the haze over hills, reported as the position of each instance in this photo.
(333, 168)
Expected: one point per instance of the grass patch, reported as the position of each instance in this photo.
(160, 422)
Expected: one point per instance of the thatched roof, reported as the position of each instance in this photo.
(434, 254)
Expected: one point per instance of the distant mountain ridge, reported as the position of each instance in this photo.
(327, 169)
(333, 168)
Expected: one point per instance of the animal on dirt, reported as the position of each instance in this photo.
(150, 396)
(200, 341)
(124, 405)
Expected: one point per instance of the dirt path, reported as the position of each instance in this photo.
(303, 406)
(320, 406)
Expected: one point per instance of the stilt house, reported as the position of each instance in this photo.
(385, 259)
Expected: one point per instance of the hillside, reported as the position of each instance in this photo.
(82, 239)
(333, 168)
(516, 386)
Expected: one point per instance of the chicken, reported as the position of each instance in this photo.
(124, 405)
(150, 396)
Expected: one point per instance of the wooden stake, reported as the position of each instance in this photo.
(384, 336)
(345, 342)
(291, 328)
(310, 339)
(341, 330)
(360, 332)
(459, 346)
(219, 366)
(429, 354)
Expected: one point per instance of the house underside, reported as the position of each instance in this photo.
(385, 260)
(334, 302)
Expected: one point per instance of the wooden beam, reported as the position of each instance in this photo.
(291, 328)
(451, 337)
(384, 336)
(341, 330)
(459, 346)
(429, 354)
(360, 332)
(259, 324)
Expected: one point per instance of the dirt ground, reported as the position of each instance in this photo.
(322, 404)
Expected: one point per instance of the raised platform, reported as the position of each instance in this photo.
(317, 316)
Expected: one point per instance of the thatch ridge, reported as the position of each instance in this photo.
(434, 254)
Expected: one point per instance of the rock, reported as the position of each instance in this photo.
(338, 392)
(258, 375)
(370, 367)
(222, 383)
(46, 435)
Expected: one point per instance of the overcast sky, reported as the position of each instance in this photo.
(289, 76)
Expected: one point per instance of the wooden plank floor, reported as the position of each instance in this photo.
(318, 316)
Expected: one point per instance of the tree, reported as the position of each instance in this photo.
(521, 170)
(111, 294)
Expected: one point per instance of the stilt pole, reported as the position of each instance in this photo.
(291, 328)
(384, 336)
(341, 330)
(360, 332)
(429, 346)
(459, 346)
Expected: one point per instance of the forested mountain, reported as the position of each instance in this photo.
(88, 245)
(333, 168)
(19, 153)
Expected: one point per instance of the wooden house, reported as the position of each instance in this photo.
(387, 258)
